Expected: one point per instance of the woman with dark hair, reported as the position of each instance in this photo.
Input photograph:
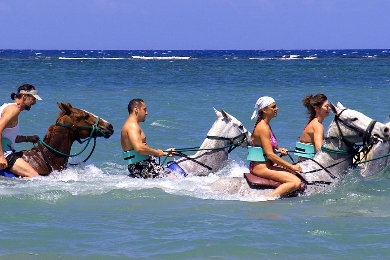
(10, 160)
(313, 134)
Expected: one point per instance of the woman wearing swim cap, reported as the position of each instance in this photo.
(271, 166)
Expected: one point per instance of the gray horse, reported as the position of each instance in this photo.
(377, 159)
(225, 134)
(329, 165)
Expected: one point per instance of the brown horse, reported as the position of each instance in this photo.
(72, 124)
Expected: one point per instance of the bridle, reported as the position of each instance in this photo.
(94, 131)
(368, 138)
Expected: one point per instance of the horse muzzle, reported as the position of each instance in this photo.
(107, 131)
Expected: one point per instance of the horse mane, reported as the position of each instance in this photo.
(50, 131)
(60, 114)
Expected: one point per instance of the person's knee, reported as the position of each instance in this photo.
(31, 174)
(297, 183)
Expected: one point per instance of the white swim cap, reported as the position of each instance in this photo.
(262, 103)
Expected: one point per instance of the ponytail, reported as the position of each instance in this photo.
(259, 118)
(14, 96)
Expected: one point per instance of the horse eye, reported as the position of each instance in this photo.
(86, 116)
(241, 127)
(354, 119)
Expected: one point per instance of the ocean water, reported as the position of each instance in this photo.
(94, 211)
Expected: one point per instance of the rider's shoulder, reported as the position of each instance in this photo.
(12, 109)
(131, 125)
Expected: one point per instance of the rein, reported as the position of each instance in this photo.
(94, 129)
(233, 145)
(230, 147)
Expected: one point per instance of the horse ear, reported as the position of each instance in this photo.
(225, 115)
(65, 107)
(219, 114)
(333, 108)
(340, 106)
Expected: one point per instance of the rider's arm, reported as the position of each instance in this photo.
(21, 139)
(26, 138)
(264, 134)
(318, 136)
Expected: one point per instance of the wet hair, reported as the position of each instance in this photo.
(136, 102)
(311, 101)
(22, 87)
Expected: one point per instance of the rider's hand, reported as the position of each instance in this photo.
(283, 151)
(161, 153)
(171, 152)
(296, 168)
(32, 139)
(3, 163)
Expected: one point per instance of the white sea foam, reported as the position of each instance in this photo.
(92, 180)
(160, 58)
(89, 58)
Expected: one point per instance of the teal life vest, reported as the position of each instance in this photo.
(6, 144)
(256, 154)
(132, 157)
(304, 150)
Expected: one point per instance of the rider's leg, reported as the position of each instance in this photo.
(290, 182)
(22, 168)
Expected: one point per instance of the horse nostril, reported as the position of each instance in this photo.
(386, 130)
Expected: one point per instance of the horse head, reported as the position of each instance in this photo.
(84, 123)
(228, 128)
(353, 127)
(224, 135)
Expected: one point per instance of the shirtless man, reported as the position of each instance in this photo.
(138, 155)
(10, 160)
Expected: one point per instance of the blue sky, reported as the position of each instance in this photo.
(194, 24)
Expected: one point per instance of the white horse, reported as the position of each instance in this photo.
(226, 134)
(329, 165)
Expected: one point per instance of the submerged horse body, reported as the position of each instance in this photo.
(72, 124)
(225, 134)
(329, 165)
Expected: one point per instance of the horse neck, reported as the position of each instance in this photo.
(333, 161)
(210, 157)
(211, 148)
(60, 139)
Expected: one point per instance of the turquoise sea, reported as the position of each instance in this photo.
(94, 211)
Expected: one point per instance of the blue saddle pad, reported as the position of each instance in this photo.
(8, 174)
(173, 166)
